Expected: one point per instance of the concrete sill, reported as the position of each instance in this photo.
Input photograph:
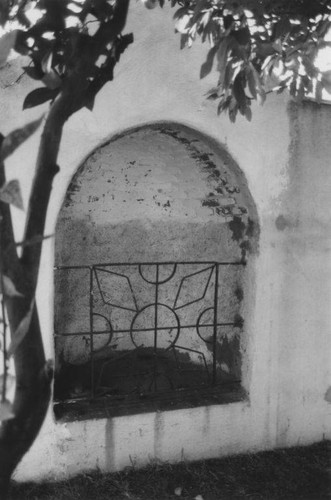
(106, 407)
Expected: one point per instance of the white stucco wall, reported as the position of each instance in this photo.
(285, 154)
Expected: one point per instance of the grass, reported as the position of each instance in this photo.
(294, 473)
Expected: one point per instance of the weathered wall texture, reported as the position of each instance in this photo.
(161, 188)
(285, 156)
(161, 193)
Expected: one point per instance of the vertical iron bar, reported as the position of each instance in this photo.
(215, 323)
(91, 334)
(156, 325)
(156, 301)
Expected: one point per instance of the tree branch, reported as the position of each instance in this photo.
(71, 99)
(46, 170)
(8, 253)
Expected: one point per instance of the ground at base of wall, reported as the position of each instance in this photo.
(295, 473)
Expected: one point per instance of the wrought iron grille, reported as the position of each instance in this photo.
(152, 328)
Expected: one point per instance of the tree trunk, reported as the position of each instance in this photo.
(33, 374)
(31, 398)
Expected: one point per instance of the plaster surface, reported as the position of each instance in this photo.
(285, 156)
(161, 193)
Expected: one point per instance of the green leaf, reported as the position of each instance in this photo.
(207, 66)
(11, 193)
(292, 62)
(6, 410)
(183, 25)
(21, 331)
(242, 36)
(264, 49)
(233, 109)
(277, 46)
(7, 287)
(248, 113)
(39, 96)
(233, 114)
(213, 93)
(200, 5)
(17, 137)
(206, 18)
(184, 39)
(251, 82)
(282, 28)
(222, 55)
(261, 95)
(239, 93)
(182, 11)
(228, 22)
(323, 28)
(223, 104)
(7, 42)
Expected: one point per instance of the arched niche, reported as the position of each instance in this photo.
(152, 242)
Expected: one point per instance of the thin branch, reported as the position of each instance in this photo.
(34, 241)
(8, 253)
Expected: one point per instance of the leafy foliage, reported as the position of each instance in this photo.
(71, 38)
(258, 47)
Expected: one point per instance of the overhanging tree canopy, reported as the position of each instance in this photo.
(257, 46)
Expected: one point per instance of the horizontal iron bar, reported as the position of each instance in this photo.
(105, 332)
(170, 263)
